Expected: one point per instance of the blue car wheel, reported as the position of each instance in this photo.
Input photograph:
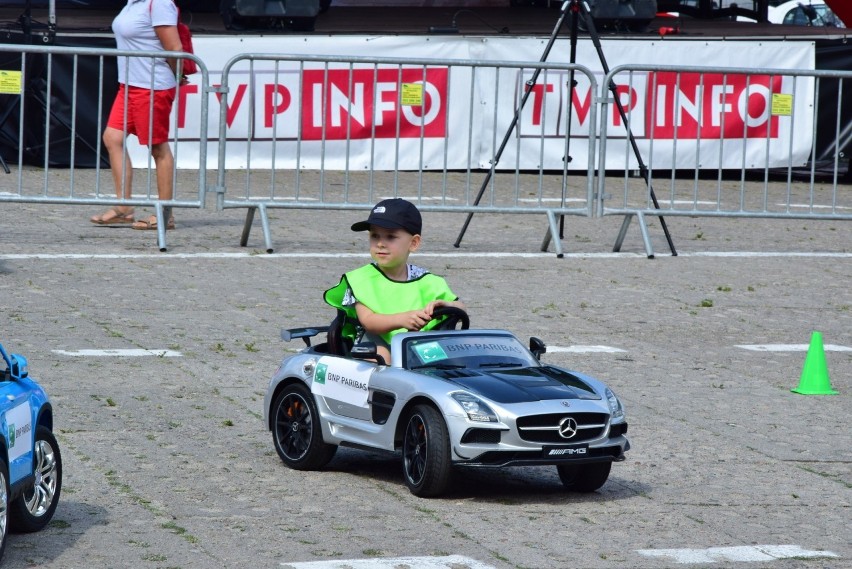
(4, 504)
(33, 509)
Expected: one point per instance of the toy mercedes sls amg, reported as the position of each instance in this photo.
(448, 399)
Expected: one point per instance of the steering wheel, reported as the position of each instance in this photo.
(452, 317)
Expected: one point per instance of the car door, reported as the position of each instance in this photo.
(343, 385)
(18, 429)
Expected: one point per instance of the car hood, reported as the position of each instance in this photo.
(519, 385)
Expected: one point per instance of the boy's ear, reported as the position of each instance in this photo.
(415, 243)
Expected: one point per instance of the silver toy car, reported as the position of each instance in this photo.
(449, 398)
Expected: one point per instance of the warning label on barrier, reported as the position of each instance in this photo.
(782, 105)
(10, 82)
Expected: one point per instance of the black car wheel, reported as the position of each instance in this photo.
(4, 504)
(297, 432)
(426, 452)
(34, 509)
(584, 477)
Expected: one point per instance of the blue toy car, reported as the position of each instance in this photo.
(30, 463)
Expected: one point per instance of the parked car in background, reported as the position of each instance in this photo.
(804, 13)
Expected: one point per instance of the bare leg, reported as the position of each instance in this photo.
(122, 176)
(165, 163)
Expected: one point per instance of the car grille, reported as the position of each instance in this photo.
(545, 428)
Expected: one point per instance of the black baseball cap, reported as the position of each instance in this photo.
(395, 213)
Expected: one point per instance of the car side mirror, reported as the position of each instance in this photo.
(367, 351)
(18, 366)
(537, 347)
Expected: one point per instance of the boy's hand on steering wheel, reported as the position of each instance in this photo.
(429, 309)
(415, 319)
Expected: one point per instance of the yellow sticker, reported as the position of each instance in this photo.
(412, 94)
(10, 82)
(782, 104)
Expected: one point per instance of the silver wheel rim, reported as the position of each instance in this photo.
(4, 506)
(40, 498)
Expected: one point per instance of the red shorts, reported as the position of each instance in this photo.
(138, 113)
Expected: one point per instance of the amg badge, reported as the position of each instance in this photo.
(568, 451)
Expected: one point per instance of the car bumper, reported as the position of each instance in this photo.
(495, 458)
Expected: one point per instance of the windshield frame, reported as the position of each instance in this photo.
(475, 343)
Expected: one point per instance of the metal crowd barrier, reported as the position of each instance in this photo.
(334, 132)
(726, 142)
(42, 98)
(461, 136)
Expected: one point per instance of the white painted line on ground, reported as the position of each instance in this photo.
(814, 206)
(129, 353)
(792, 347)
(550, 200)
(421, 198)
(445, 255)
(751, 254)
(585, 349)
(687, 202)
(448, 562)
(747, 553)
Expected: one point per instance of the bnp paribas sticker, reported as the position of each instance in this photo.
(430, 352)
(319, 374)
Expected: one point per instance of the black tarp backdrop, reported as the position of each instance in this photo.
(197, 5)
(57, 115)
(836, 55)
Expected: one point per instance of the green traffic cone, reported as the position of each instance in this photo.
(815, 380)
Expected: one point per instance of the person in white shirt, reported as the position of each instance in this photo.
(142, 25)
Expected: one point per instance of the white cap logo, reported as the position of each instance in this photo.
(379, 209)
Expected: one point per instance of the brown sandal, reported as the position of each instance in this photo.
(151, 224)
(112, 217)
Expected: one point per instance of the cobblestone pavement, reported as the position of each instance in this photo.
(167, 463)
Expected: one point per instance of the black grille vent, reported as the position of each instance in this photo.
(545, 428)
(481, 436)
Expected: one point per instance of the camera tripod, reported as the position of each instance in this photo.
(577, 9)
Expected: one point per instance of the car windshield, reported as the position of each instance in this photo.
(466, 351)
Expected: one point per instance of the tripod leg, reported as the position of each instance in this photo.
(572, 84)
(643, 169)
(515, 119)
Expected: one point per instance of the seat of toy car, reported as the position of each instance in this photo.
(338, 343)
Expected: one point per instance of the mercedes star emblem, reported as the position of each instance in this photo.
(567, 427)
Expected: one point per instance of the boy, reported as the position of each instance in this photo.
(390, 295)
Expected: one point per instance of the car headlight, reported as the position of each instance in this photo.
(614, 404)
(475, 407)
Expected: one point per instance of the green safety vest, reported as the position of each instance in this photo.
(385, 296)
